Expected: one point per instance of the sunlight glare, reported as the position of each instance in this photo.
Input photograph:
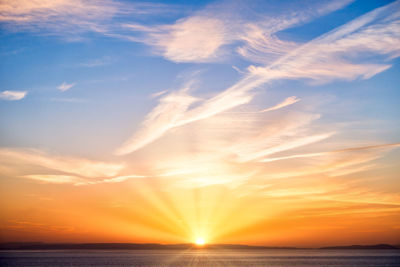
(200, 241)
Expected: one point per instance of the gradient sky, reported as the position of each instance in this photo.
(253, 122)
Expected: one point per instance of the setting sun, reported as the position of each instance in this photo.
(200, 241)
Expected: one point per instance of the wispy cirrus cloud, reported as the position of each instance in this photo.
(165, 116)
(322, 60)
(71, 17)
(287, 102)
(65, 86)
(77, 181)
(226, 149)
(49, 14)
(317, 154)
(174, 111)
(194, 39)
(339, 191)
(339, 53)
(335, 163)
(290, 131)
(185, 40)
(251, 152)
(52, 169)
(78, 166)
(157, 94)
(13, 95)
(54, 179)
(203, 36)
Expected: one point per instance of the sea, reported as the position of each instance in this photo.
(203, 257)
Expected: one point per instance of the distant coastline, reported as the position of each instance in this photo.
(155, 246)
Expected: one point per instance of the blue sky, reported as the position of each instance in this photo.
(169, 89)
(111, 63)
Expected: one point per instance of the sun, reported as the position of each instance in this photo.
(200, 241)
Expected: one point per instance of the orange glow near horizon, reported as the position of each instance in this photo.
(143, 212)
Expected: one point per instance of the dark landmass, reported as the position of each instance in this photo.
(379, 246)
(137, 246)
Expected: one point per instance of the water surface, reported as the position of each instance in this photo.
(203, 257)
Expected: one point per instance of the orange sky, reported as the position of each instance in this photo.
(301, 211)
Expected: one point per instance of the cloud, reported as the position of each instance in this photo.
(226, 149)
(77, 166)
(194, 39)
(261, 45)
(77, 181)
(308, 155)
(287, 102)
(299, 141)
(165, 116)
(174, 110)
(339, 54)
(202, 36)
(65, 86)
(337, 191)
(337, 162)
(71, 18)
(237, 69)
(57, 14)
(13, 95)
(119, 179)
(321, 60)
(54, 179)
(157, 94)
(286, 133)
(191, 171)
(74, 171)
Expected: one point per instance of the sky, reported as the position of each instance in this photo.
(249, 122)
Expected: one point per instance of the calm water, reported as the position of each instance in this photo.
(276, 258)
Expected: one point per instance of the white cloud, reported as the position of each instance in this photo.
(260, 42)
(339, 54)
(57, 14)
(322, 60)
(71, 18)
(286, 133)
(174, 110)
(261, 45)
(165, 116)
(60, 170)
(287, 102)
(157, 94)
(117, 179)
(13, 95)
(194, 39)
(65, 86)
(335, 163)
(53, 179)
(318, 154)
(77, 181)
(78, 166)
(202, 36)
